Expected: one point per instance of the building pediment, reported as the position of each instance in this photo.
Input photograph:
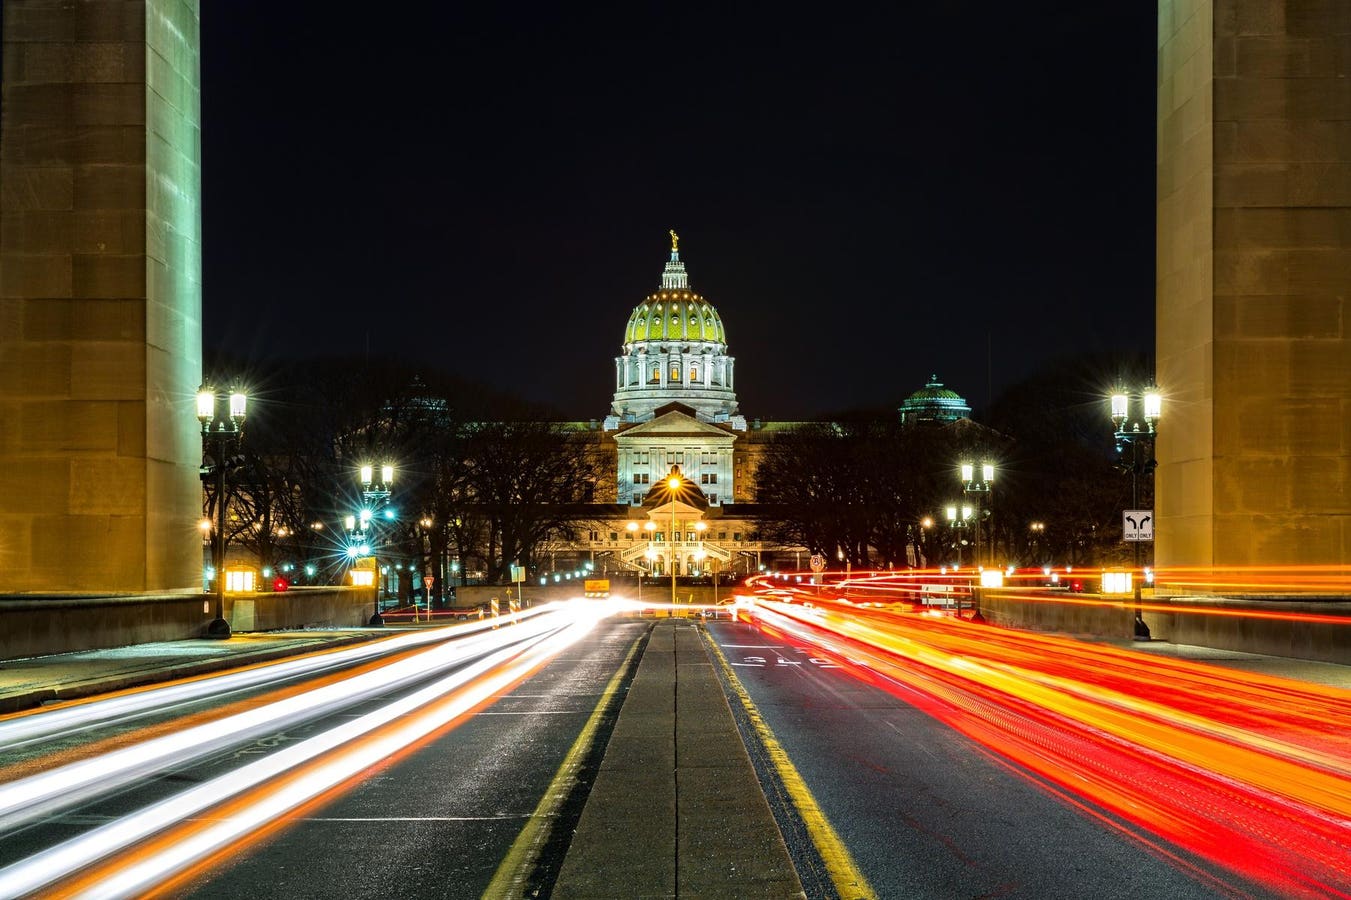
(677, 421)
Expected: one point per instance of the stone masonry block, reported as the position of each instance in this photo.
(36, 276)
(131, 433)
(79, 553)
(108, 370)
(1320, 368)
(1267, 228)
(1283, 184)
(119, 232)
(1319, 483)
(99, 276)
(1252, 485)
(1300, 140)
(1240, 99)
(60, 319)
(1284, 57)
(110, 187)
(37, 231)
(1253, 16)
(23, 188)
(35, 485)
(64, 146)
(107, 485)
(1317, 19)
(1280, 317)
(29, 370)
(1253, 368)
(68, 427)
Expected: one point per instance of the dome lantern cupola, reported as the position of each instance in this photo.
(673, 277)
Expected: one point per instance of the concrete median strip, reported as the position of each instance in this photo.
(676, 810)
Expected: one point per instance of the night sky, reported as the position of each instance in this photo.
(866, 196)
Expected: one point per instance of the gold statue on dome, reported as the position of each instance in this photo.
(675, 242)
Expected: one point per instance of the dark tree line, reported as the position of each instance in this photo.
(488, 481)
(478, 478)
(874, 493)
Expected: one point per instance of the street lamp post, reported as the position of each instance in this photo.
(651, 556)
(958, 523)
(674, 483)
(957, 518)
(980, 486)
(1036, 529)
(374, 495)
(221, 436)
(1137, 431)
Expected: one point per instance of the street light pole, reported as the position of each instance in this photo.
(221, 436)
(1128, 430)
(958, 524)
(674, 483)
(374, 494)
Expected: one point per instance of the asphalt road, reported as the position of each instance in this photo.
(437, 822)
(926, 812)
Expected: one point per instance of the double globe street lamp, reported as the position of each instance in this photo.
(221, 437)
(374, 495)
(977, 487)
(957, 517)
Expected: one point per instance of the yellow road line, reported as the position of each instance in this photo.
(844, 872)
(516, 867)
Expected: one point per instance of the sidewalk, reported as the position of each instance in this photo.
(31, 682)
(676, 809)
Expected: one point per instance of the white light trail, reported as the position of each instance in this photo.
(31, 798)
(25, 728)
(71, 857)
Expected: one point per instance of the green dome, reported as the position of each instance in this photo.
(934, 403)
(676, 315)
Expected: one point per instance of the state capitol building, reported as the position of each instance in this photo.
(682, 453)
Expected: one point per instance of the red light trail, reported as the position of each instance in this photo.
(1250, 772)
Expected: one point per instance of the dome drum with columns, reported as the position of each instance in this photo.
(675, 351)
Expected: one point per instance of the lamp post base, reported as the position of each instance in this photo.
(218, 629)
(376, 621)
(1141, 629)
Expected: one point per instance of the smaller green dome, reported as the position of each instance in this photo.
(934, 403)
(676, 315)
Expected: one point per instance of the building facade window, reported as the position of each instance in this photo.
(640, 477)
(708, 478)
